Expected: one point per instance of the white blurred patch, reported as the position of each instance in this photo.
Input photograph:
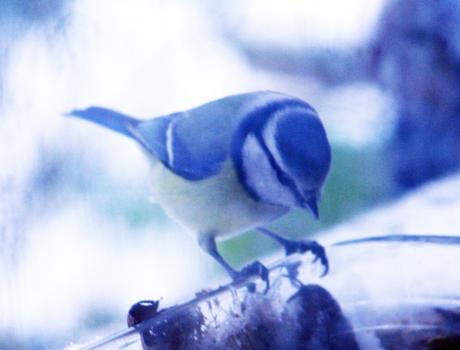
(145, 59)
(305, 22)
(432, 209)
(74, 263)
(356, 114)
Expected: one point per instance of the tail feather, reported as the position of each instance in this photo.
(108, 118)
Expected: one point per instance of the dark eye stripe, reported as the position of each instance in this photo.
(281, 175)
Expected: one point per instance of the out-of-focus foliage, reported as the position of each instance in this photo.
(416, 54)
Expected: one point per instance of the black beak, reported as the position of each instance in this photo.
(312, 203)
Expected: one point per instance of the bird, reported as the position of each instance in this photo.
(232, 165)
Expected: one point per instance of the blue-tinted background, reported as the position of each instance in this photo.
(79, 240)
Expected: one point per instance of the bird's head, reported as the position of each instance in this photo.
(282, 154)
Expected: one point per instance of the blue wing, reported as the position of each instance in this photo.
(194, 144)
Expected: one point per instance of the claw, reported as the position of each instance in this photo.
(256, 268)
(325, 263)
(292, 247)
(316, 249)
(320, 253)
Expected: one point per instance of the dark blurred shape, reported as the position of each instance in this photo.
(184, 331)
(447, 343)
(416, 56)
(310, 320)
(444, 333)
(141, 311)
(451, 339)
(321, 325)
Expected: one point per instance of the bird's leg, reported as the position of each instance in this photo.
(293, 246)
(208, 243)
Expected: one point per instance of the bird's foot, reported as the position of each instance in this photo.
(292, 246)
(254, 269)
(316, 249)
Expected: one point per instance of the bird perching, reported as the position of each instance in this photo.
(232, 165)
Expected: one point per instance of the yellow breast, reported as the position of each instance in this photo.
(217, 206)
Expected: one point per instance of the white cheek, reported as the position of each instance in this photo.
(169, 144)
(261, 177)
(269, 139)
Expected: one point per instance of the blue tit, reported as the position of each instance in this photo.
(232, 165)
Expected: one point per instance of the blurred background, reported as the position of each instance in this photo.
(79, 239)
